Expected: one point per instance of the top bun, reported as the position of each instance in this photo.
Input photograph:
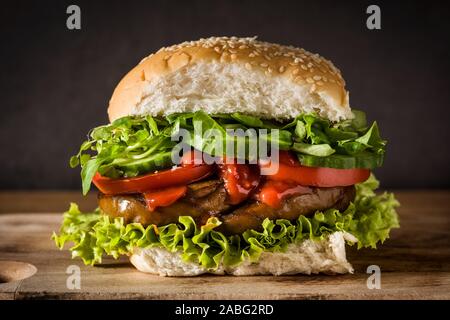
(225, 75)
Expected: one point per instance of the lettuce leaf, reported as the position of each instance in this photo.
(93, 235)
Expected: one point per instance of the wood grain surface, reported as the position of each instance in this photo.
(415, 262)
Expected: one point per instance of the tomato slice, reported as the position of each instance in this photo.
(239, 180)
(153, 181)
(192, 158)
(316, 176)
(165, 197)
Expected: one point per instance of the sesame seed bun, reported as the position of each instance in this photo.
(224, 75)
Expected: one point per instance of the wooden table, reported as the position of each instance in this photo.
(415, 262)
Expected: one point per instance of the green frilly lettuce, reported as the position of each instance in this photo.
(369, 218)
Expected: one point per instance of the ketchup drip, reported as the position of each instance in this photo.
(273, 192)
(239, 180)
(164, 197)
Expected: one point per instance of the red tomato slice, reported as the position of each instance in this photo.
(153, 181)
(165, 197)
(317, 176)
(192, 158)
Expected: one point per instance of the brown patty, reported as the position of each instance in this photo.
(209, 198)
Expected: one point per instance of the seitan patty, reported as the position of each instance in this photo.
(209, 198)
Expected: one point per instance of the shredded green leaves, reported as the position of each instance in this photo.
(93, 235)
(132, 146)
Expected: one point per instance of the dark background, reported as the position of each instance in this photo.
(55, 83)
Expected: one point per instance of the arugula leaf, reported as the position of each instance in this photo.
(320, 150)
(153, 125)
(372, 139)
(335, 134)
(300, 130)
(88, 171)
(359, 121)
(249, 121)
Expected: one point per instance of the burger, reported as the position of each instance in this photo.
(232, 156)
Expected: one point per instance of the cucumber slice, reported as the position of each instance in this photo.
(364, 160)
(155, 162)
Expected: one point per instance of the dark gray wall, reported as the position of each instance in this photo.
(55, 83)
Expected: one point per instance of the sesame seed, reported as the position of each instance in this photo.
(228, 48)
(299, 79)
(270, 69)
(313, 87)
(309, 80)
(248, 66)
(223, 56)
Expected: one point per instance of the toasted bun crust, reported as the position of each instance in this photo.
(308, 257)
(224, 75)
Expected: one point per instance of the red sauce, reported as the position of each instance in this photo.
(239, 180)
(273, 192)
(164, 197)
(287, 158)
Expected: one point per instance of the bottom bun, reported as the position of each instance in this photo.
(307, 257)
